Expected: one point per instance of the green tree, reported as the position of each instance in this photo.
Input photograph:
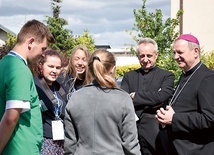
(207, 58)
(10, 43)
(86, 40)
(152, 25)
(65, 41)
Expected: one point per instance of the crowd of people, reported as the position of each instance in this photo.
(50, 106)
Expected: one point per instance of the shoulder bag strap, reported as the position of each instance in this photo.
(47, 91)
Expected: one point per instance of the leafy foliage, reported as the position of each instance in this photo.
(10, 43)
(86, 40)
(208, 59)
(167, 62)
(65, 41)
(121, 70)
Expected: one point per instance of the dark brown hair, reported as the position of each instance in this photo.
(36, 29)
(42, 59)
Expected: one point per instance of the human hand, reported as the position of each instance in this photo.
(164, 117)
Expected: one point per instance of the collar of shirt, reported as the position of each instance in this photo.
(148, 70)
(189, 72)
(13, 53)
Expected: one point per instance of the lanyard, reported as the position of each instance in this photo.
(12, 53)
(175, 96)
(52, 95)
(56, 106)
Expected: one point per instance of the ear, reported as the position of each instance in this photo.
(30, 42)
(196, 52)
(112, 71)
(156, 55)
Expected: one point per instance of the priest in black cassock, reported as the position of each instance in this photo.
(150, 87)
(189, 119)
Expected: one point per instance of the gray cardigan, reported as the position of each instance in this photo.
(100, 121)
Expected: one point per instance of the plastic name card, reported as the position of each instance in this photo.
(57, 130)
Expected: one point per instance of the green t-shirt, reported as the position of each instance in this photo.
(16, 83)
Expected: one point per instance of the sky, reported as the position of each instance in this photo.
(105, 20)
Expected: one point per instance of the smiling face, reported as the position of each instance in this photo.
(79, 61)
(184, 56)
(51, 69)
(147, 55)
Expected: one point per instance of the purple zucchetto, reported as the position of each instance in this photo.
(188, 37)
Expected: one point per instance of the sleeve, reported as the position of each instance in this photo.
(19, 84)
(125, 83)
(70, 141)
(155, 97)
(128, 129)
(203, 116)
(24, 105)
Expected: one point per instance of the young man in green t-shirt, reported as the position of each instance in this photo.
(20, 116)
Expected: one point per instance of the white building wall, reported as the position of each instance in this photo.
(198, 19)
(124, 57)
(126, 60)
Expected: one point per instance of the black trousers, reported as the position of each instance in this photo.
(145, 148)
(163, 146)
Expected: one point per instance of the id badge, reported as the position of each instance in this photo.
(57, 130)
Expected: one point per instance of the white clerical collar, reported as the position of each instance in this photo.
(147, 70)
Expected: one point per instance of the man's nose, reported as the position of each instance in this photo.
(176, 55)
(146, 59)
